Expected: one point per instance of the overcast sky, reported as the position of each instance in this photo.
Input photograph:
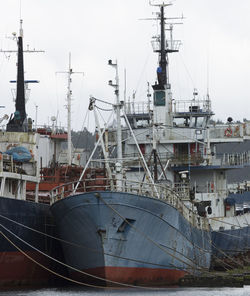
(215, 53)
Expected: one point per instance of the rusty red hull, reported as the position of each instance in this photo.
(131, 276)
(17, 269)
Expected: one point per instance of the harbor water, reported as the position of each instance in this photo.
(124, 292)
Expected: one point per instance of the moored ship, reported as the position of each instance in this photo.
(132, 221)
(27, 228)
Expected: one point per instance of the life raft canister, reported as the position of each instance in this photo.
(228, 132)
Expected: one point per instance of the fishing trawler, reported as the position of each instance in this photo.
(132, 219)
(31, 163)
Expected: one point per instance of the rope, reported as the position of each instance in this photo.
(103, 109)
(120, 257)
(185, 238)
(44, 267)
(82, 129)
(192, 243)
(82, 246)
(218, 220)
(225, 254)
(64, 264)
(227, 234)
(228, 223)
(200, 268)
(149, 239)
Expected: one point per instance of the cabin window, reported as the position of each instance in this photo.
(182, 122)
(181, 149)
(142, 148)
(199, 121)
(159, 98)
(9, 185)
(14, 187)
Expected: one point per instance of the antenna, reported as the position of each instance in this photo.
(20, 9)
(69, 99)
(14, 37)
(160, 4)
(125, 88)
(208, 58)
(18, 121)
(36, 106)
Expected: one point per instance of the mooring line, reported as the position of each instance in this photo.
(153, 242)
(90, 249)
(64, 264)
(210, 242)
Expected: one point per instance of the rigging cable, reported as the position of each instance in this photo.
(83, 246)
(152, 241)
(64, 264)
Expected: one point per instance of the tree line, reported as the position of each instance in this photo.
(83, 139)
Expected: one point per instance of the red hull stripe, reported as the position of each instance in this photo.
(135, 276)
(17, 269)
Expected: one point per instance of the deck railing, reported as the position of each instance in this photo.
(7, 164)
(164, 193)
(236, 159)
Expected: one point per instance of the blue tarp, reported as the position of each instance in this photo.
(20, 154)
(238, 198)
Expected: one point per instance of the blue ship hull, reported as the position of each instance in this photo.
(16, 268)
(235, 242)
(228, 245)
(130, 239)
(231, 242)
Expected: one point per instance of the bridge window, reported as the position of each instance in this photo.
(159, 98)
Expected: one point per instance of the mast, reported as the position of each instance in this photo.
(160, 94)
(69, 93)
(118, 118)
(162, 88)
(68, 106)
(18, 123)
(162, 116)
(162, 69)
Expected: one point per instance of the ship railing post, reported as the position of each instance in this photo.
(11, 162)
(140, 188)
(52, 197)
(36, 192)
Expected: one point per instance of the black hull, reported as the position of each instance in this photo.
(19, 261)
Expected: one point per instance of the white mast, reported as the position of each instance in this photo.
(69, 93)
(69, 99)
(119, 130)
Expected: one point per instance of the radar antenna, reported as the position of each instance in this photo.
(160, 4)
